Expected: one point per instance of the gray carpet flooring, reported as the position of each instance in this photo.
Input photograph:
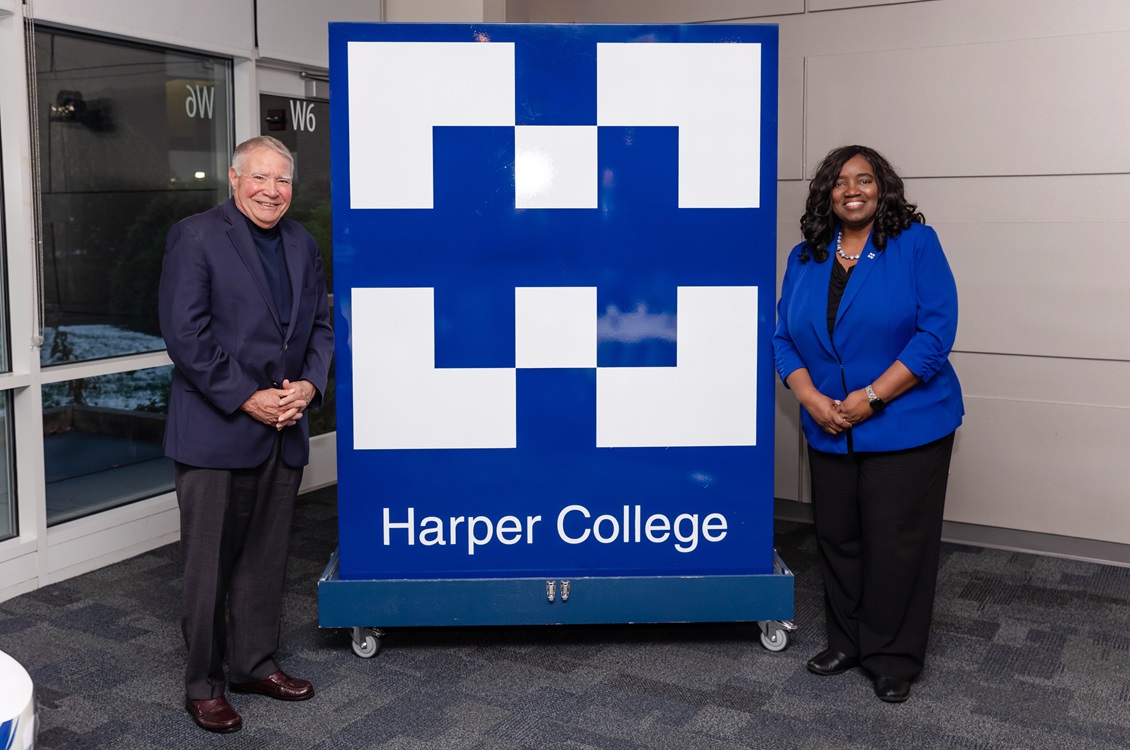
(1027, 652)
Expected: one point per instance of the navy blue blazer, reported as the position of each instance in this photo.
(223, 333)
(899, 304)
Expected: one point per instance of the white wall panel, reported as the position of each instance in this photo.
(322, 469)
(15, 570)
(298, 31)
(70, 553)
(1011, 108)
(280, 81)
(220, 26)
(19, 575)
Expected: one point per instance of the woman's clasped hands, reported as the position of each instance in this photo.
(835, 416)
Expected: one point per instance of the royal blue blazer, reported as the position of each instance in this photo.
(222, 330)
(899, 304)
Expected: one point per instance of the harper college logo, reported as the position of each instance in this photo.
(710, 92)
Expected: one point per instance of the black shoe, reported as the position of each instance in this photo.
(892, 689)
(831, 662)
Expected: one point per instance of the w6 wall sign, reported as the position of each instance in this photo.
(554, 273)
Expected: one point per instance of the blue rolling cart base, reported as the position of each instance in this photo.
(766, 599)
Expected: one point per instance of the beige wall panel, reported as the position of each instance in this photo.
(657, 11)
(944, 23)
(980, 109)
(787, 481)
(989, 200)
(518, 11)
(818, 5)
(297, 31)
(791, 195)
(1048, 468)
(1044, 380)
(786, 446)
(224, 26)
(434, 11)
(903, 24)
(790, 119)
(1041, 289)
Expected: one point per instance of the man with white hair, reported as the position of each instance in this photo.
(245, 316)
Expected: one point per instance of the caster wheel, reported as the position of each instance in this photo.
(775, 640)
(366, 646)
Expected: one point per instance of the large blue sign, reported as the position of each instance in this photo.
(554, 289)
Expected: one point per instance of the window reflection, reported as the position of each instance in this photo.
(132, 139)
(304, 126)
(8, 527)
(102, 442)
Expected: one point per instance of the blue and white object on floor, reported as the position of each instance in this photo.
(554, 264)
(18, 720)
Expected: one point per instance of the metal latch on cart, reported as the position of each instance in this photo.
(551, 591)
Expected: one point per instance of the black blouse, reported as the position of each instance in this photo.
(840, 276)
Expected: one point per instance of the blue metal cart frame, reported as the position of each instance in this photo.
(573, 236)
(765, 599)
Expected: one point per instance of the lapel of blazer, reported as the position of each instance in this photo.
(244, 245)
(818, 299)
(867, 260)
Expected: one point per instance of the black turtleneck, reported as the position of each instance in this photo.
(269, 244)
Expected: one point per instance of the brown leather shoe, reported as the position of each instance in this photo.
(214, 714)
(280, 685)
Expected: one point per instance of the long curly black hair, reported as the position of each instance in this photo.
(818, 225)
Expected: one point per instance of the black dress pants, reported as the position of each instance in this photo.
(235, 531)
(878, 520)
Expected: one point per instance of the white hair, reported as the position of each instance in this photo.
(239, 158)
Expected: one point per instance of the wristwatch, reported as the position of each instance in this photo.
(877, 404)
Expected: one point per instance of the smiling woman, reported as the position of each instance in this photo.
(863, 340)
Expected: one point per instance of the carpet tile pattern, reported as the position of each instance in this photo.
(1027, 653)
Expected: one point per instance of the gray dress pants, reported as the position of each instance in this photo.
(235, 529)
